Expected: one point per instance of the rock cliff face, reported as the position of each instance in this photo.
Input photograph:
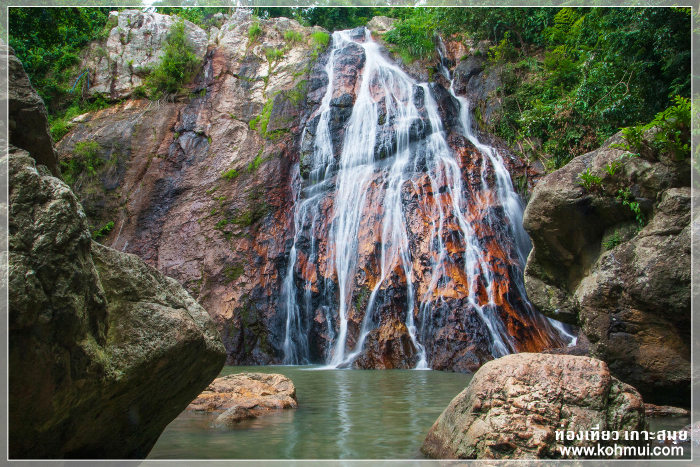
(628, 287)
(206, 189)
(201, 188)
(93, 333)
(135, 44)
(426, 276)
(514, 406)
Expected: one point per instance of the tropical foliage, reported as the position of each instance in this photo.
(49, 42)
(571, 77)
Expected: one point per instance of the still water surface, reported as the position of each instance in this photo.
(342, 414)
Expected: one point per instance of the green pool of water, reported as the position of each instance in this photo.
(342, 414)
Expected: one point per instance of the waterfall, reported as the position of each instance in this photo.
(393, 138)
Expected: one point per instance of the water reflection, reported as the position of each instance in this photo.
(342, 414)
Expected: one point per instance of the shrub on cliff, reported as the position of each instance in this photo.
(86, 159)
(414, 36)
(178, 65)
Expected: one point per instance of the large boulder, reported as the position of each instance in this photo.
(104, 351)
(515, 405)
(628, 287)
(28, 120)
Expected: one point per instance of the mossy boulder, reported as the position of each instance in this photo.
(105, 351)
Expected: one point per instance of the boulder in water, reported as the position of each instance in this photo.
(514, 406)
(246, 395)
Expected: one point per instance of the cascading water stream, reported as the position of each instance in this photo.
(393, 135)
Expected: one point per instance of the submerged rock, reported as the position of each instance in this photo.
(665, 411)
(246, 395)
(105, 351)
(628, 287)
(514, 406)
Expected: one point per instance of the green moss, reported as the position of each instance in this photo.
(104, 231)
(230, 174)
(85, 160)
(361, 296)
(265, 116)
(255, 163)
(297, 94)
(233, 272)
(253, 124)
(256, 209)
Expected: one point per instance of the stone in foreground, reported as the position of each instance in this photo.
(104, 350)
(246, 395)
(514, 405)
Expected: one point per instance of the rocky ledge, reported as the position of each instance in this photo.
(246, 395)
(514, 406)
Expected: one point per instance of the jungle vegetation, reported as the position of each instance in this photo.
(570, 77)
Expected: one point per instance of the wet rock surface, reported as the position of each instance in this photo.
(455, 334)
(514, 405)
(244, 396)
(93, 333)
(627, 285)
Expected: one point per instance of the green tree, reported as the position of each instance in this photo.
(48, 42)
